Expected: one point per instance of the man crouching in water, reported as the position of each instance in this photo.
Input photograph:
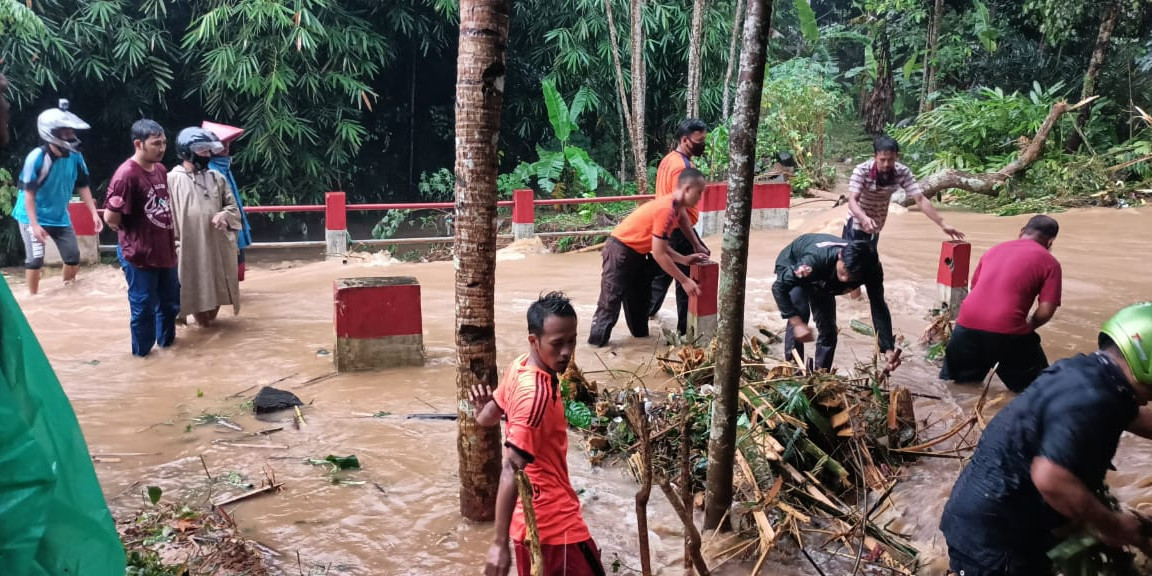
(1038, 464)
(536, 441)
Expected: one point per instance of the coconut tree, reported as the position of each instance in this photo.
(480, 70)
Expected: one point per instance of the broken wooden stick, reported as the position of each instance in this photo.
(249, 494)
(690, 531)
(524, 487)
(638, 420)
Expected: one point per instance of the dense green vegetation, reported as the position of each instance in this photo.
(358, 95)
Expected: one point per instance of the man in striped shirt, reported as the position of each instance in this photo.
(871, 188)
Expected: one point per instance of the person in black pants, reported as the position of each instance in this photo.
(691, 135)
(810, 273)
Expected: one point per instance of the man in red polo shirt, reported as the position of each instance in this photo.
(994, 325)
(536, 441)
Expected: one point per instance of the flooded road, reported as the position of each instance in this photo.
(404, 518)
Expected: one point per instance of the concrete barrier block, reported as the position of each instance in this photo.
(770, 205)
(378, 323)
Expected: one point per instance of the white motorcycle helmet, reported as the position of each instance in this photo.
(52, 120)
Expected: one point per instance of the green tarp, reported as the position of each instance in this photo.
(53, 517)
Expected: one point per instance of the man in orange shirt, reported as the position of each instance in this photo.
(645, 235)
(536, 441)
(690, 137)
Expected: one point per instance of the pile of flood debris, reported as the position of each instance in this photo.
(170, 539)
(818, 453)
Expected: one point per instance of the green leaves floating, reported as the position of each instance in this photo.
(578, 414)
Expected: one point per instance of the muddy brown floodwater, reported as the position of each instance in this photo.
(404, 519)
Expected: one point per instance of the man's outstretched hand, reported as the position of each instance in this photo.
(480, 396)
(893, 358)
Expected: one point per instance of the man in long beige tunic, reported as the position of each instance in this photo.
(206, 219)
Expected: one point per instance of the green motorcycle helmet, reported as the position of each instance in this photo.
(1131, 330)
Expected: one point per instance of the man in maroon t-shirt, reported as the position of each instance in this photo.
(994, 326)
(139, 210)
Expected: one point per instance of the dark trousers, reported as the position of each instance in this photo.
(625, 280)
(821, 306)
(961, 565)
(154, 299)
(662, 281)
(851, 233)
(970, 354)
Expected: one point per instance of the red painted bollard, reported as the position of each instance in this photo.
(335, 225)
(702, 309)
(378, 323)
(952, 274)
(523, 214)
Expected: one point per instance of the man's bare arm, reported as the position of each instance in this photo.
(1044, 312)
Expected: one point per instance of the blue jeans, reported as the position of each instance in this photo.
(154, 299)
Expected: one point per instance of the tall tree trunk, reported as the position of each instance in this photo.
(639, 90)
(694, 66)
(479, 94)
(878, 103)
(734, 262)
(1103, 39)
(3, 112)
(737, 18)
(625, 113)
(933, 45)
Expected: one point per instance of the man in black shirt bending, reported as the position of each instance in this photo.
(810, 273)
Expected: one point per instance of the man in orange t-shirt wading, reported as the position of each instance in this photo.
(690, 137)
(536, 441)
(643, 237)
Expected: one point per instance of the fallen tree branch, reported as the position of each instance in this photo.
(524, 487)
(988, 183)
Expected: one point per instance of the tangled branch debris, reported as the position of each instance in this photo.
(812, 448)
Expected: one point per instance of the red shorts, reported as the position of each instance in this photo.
(580, 559)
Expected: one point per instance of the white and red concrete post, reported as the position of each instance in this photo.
(711, 206)
(378, 323)
(952, 274)
(702, 309)
(523, 214)
(335, 225)
(770, 204)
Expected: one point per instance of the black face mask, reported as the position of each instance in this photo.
(696, 148)
(200, 162)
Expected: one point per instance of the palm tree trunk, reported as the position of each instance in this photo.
(625, 112)
(734, 262)
(1103, 38)
(479, 95)
(878, 102)
(933, 43)
(737, 18)
(694, 67)
(639, 89)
